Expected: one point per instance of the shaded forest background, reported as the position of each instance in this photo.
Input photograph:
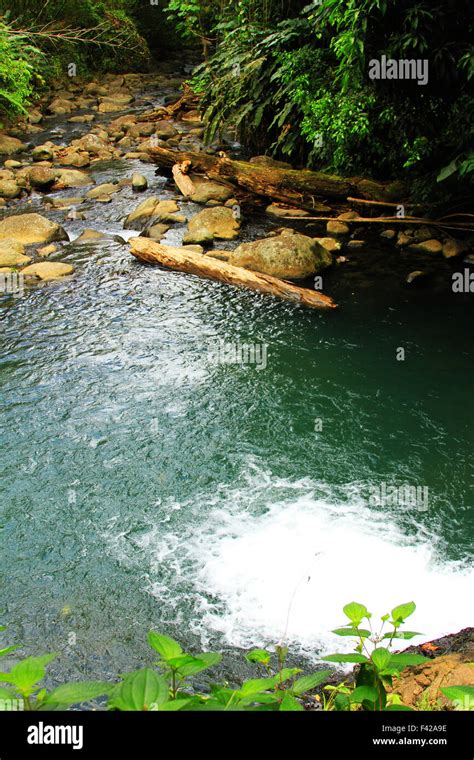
(290, 77)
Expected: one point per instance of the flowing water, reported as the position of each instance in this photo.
(145, 486)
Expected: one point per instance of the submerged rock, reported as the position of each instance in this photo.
(288, 257)
(31, 228)
(427, 246)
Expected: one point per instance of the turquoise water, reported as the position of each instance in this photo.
(145, 486)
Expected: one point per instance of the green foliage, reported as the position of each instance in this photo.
(378, 664)
(168, 686)
(18, 63)
(294, 82)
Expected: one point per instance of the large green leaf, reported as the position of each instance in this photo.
(200, 662)
(364, 693)
(402, 635)
(74, 693)
(306, 683)
(141, 690)
(356, 612)
(25, 674)
(350, 631)
(400, 613)
(290, 704)
(400, 661)
(464, 695)
(7, 650)
(167, 647)
(381, 657)
(345, 658)
(260, 656)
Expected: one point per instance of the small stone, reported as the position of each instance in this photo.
(139, 183)
(11, 164)
(330, 244)
(47, 250)
(42, 153)
(156, 231)
(403, 240)
(427, 246)
(348, 216)
(9, 189)
(41, 176)
(276, 209)
(103, 191)
(453, 248)
(415, 276)
(388, 234)
(194, 248)
(337, 228)
(354, 244)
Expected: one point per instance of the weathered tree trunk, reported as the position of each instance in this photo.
(183, 260)
(297, 187)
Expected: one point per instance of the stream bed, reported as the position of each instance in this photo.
(145, 486)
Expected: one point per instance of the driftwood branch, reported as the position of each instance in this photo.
(183, 260)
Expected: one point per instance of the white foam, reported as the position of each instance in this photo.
(275, 560)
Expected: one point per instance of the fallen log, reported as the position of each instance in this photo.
(183, 260)
(296, 187)
(186, 102)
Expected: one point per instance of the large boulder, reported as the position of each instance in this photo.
(48, 270)
(60, 106)
(217, 223)
(164, 129)
(31, 228)
(10, 145)
(288, 257)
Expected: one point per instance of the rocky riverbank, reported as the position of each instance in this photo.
(49, 159)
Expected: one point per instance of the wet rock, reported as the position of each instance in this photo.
(206, 190)
(269, 162)
(113, 103)
(355, 244)
(87, 118)
(31, 228)
(141, 130)
(427, 246)
(218, 254)
(60, 106)
(212, 224)
(288, 257)
(453, 248)
(10, 145)
(329, 243)
(194, 248)
(48, 270)
(423, 233)
(103, 191)
(35, 116)
(91, 143)
(41, 177)
(139, 183)
(403, 240)
(348, 216)
(276, 209)
(47, 250)
(388, 234)
(416, 277)
(73, 178)
(9, 189)
(337, 228)
(164, 129)
(11, 164)
(156, 231)
(42, 153)
(163, 211)
(12, 254)
(63, 203)
(90, 235)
